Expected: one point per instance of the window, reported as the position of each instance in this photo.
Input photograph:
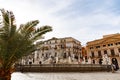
(62, 46)
(105, 51)
(112, 52)
(119, 50)
(42, 54)
(118, 42)
(55, 54)
(111, 44)
(92, 53)
(69, 54)
(46, 55)
(97, 46)
(104, 45)
(91, 47)
(55, 47)
(64, 55)
(108, 44)
(99, 54)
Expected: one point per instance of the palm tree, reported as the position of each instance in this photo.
(16, 42)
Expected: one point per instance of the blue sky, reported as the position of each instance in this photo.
(84, 20)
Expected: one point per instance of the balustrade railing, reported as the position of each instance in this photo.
(63, 65)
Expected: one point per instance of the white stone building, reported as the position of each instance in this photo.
(59, 51)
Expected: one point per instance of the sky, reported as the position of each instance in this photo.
(84, 20)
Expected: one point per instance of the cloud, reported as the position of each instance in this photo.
(84, 20)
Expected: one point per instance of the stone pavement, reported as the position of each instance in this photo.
(67, 76)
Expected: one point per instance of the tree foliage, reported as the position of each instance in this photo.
(17, 42)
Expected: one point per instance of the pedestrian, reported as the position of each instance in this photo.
(113, 68)
(115, 64)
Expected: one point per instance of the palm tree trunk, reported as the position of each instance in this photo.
(5, 74)
(5, 78)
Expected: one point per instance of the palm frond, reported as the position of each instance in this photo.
(41, 31)
(16, 43)
(9, 26)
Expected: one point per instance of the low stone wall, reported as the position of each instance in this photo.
(63, 68)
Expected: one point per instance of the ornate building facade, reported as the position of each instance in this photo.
(105, 48)
(57, 51)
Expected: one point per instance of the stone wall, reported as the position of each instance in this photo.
(63, 68)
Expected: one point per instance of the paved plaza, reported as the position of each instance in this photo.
(67, 76)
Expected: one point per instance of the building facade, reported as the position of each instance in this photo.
(105, 48)
(57, 51)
